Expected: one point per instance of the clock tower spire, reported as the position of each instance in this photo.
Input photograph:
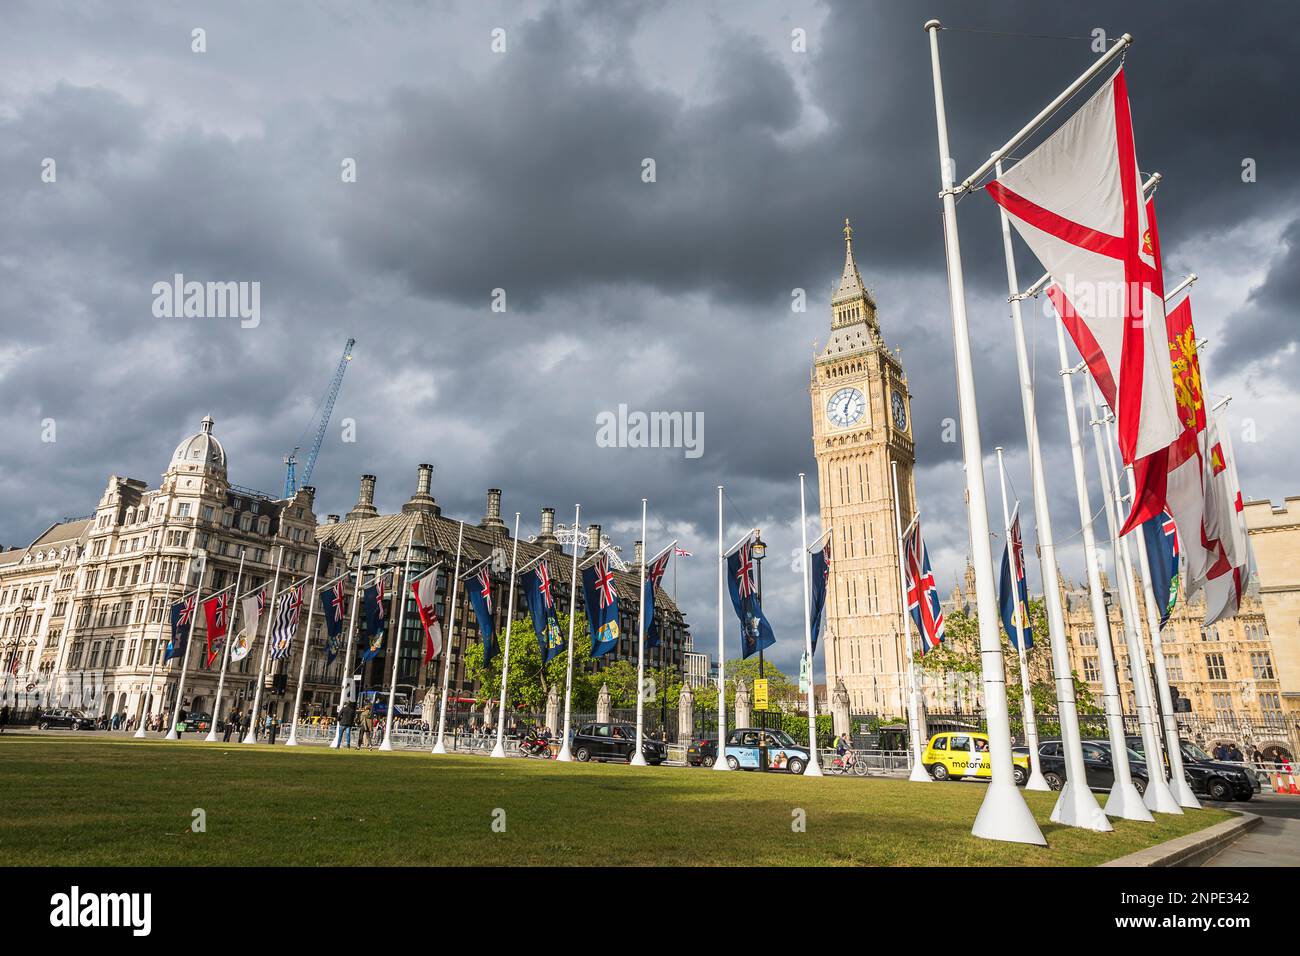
(861, 424)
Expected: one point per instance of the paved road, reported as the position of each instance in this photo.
(1275, 842)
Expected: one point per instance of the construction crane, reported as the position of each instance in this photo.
(323, 412)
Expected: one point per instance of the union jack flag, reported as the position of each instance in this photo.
(922, 594)
(681, 552)
(337, 602)
(544, 583)
(745, 583)
(604, 581)
(1171, 532)
(485, 583)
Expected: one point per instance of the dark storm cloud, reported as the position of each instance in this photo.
(523, 171)
(1267, 330)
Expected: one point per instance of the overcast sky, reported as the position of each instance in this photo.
(522, 170)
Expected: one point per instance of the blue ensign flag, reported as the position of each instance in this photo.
(654, 573)
(601, 602)
(820, 573)
(742, 580)
(182, 615)
(1161, 540)
(541, 605)
(375, 608)
(479, 588)
(332, 602)
(1013, 592)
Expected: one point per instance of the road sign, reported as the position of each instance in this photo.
(760, 693)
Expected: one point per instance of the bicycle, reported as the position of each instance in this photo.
(848, 764)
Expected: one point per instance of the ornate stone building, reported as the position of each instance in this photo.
(97, 641)
(1275, 541)
(861, 411)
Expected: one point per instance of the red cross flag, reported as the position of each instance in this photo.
(1077, 202)
(425, 591)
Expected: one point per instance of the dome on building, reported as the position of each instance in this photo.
(201, 451)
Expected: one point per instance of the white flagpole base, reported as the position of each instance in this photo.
(1077, 807)
(638, 760)
(814, 769)
(1184, 795)
(293, 739)
(212, 735)
(1159, 798)
(565, 755)
(1037, 781)
(139, 733)
(918, 774)
(439, 747)
(498, 751)
(1126, 803)
(387, 744)
(172, 734)
(721, 764)
(251, 738)
(1005, 816)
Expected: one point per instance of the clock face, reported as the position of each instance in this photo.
(846, 407)
(900, 411)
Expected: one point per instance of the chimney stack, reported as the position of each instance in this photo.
(546, 537)
(309, 492)
(331, 519)
(593, 538)
(365, 506)
(492, 517)
(422, 500)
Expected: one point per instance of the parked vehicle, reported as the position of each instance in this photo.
(702, 753)
(1213, 778)
(614, 742)
(955, 754)
(534, 746)
(199, 723)
(747, 747)
(63, 719)
(1098, 765)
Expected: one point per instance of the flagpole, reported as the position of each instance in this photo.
(914, 708)
(638, 758)
(814, 768)
(1157, 797)
(153, 667)
(251, 736)
(1178, 782)
(387, 743)
(172, 734)
(306, 645)
(225, 656)
(500, 749)
(1003, 815)
(720, 759)
(1124, 800)
(565, 753)
(1036, 779)
(347, 655)
(439, 747)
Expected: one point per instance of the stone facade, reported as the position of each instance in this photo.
(1275, 541)
(861, 415)
(112, 578)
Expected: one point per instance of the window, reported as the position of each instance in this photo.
(183, 509)
(207, 512)
(940, 743)
(1215, 667)
(1087, 639)
(1261, 665)
(1222, 704)
(1270, 704)
(961, 743)
(1090, 671)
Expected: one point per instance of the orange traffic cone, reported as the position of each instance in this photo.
(1290, 785)
(1279, 785)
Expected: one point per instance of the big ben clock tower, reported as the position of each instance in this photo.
(861, 412)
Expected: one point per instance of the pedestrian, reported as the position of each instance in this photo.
(1257, 757)
(4, 717)
(271, 726)
(181, 714)
(347, 713)
(367, 728)
(232, 721)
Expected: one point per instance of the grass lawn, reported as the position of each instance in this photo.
(97, 801)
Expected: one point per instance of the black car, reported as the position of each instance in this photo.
(614, 742)
(1213, 778)
(1097, 765)
(198, 723)
(702, 753)
(65, 720)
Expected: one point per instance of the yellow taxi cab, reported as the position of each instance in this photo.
(965, 753)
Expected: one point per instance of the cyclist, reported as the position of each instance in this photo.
(841, 743)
